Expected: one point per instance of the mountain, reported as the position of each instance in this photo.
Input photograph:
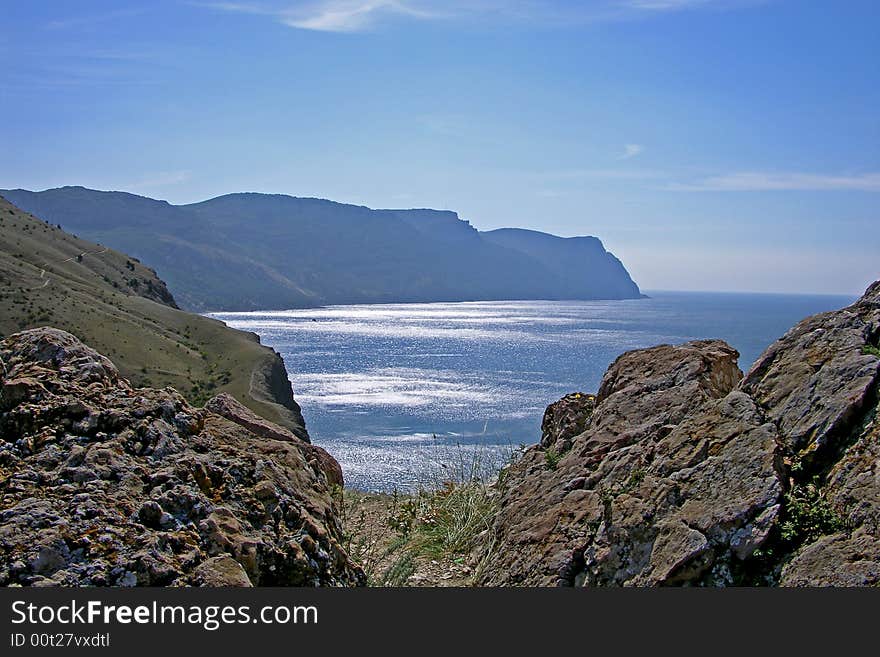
(114, 302)
(262, 251)
(682, 471)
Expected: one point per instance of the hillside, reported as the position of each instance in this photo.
(261, 251)
(112, 301)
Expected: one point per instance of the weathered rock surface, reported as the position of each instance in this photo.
(819, 380)
(565, 419)
(228, 407)
(680, 473)
(104, 484)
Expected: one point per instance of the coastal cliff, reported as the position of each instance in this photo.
(103, 483)
(680, 471)
(270, 385)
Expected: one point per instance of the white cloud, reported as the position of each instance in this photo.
(666, 5)
(630, 151)
(333, 15)
(349, 16)
(672, 180)
(754, 181)
(658, 6)
(603, 174)
(361, 15)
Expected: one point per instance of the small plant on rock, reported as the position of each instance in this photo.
(552, 457)
(810, 516)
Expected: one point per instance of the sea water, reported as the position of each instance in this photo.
(404, 395)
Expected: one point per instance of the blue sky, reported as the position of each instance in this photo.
(711, 144)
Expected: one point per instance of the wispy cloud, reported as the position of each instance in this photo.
(333, 15)
(672, 180)
(630, 151)
(755, 181)
(666, 5)
(361, 15)
(352, 16)
(660, 6)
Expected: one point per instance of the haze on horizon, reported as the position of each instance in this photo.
(711, 144)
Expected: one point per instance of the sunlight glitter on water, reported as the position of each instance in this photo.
(397, 391)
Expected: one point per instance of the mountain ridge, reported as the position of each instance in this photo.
(250, 251)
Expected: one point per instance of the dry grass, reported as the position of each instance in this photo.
(440, 535)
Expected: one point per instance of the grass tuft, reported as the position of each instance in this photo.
(440, 534)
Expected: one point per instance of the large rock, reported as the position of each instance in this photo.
(227, 406)
(650, 492)
(682, 474)
(565, 419)
(104, 484)
(819, 381)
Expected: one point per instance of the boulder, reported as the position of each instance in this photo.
(649, 492)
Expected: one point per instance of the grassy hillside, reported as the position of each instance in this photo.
(121, 308)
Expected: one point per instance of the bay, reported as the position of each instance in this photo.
(405, 395)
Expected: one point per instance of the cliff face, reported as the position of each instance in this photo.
(105, 484)
(271, 384)
(581, 264)
(682, 472)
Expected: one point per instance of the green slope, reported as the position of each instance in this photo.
(121, 308)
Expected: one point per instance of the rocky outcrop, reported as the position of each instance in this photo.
(114, 303)
(226, 406)
(819, 385)
(681, 473)
(105, 484)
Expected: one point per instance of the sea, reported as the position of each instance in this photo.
(406, 396)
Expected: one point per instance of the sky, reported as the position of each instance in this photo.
(711, 144)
